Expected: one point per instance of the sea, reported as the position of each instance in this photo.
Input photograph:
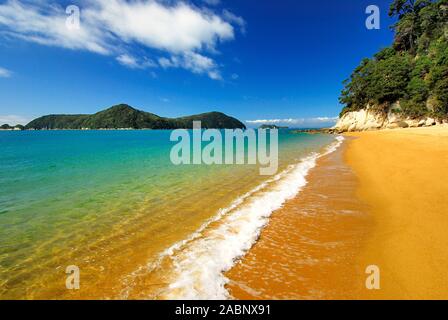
(135, 225)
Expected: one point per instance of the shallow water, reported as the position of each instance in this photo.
(112, 203)
(309, 249)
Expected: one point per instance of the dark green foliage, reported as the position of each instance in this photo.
(388, 79)
(124, 116)
(439, 78)
(413, 71)
(8, 127)
(58, 122)
(210, 120)
(417, 89)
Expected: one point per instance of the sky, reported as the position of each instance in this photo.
(264, 61)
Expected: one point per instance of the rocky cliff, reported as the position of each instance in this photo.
(370, 119)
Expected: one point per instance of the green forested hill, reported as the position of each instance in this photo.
(124, 116)
(413, 71)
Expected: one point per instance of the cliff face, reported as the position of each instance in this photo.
(370, 119)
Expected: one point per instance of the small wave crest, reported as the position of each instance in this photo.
(201, 260)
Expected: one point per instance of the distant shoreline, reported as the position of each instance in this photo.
(101, 129)
(293, 130)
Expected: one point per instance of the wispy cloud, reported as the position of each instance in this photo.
(113, 27)
(234, 19)
(135, 63)
(5, 73)
(299, 122)
(194, 62)
(14, 120)
(45, 23)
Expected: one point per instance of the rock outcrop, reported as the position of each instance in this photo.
(370, 119)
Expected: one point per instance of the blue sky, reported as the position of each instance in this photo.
(255, 60)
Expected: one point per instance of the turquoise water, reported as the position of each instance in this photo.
(107, 201)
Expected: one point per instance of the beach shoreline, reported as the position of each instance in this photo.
(394, 182)
(308, 248)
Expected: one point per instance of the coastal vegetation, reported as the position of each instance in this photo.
(123, 116)
(8, 127)
(411, 76)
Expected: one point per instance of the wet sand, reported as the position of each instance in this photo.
(309, 247)
(381, 199)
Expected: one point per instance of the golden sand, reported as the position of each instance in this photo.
(389, 208)
(404, 178)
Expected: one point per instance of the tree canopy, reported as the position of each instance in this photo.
(124, 116)
(413, 71)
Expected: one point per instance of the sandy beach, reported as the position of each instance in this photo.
(379, 200)
(403, 177)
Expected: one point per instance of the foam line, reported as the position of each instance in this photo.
(201, 260)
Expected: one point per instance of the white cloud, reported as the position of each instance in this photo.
(128, 61)
(194, 62)
(14, 120)
(215, 75)
(234, 19)
(5, 73)
(134, 63)
(302, 122)
(112, 27)
(176, 28)
(45, 24)
(235, 76)
(167, 63)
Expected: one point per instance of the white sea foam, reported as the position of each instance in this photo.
(201, 260)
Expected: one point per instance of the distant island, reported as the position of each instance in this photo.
(8, 127)
(271, 126)
(123, 116)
